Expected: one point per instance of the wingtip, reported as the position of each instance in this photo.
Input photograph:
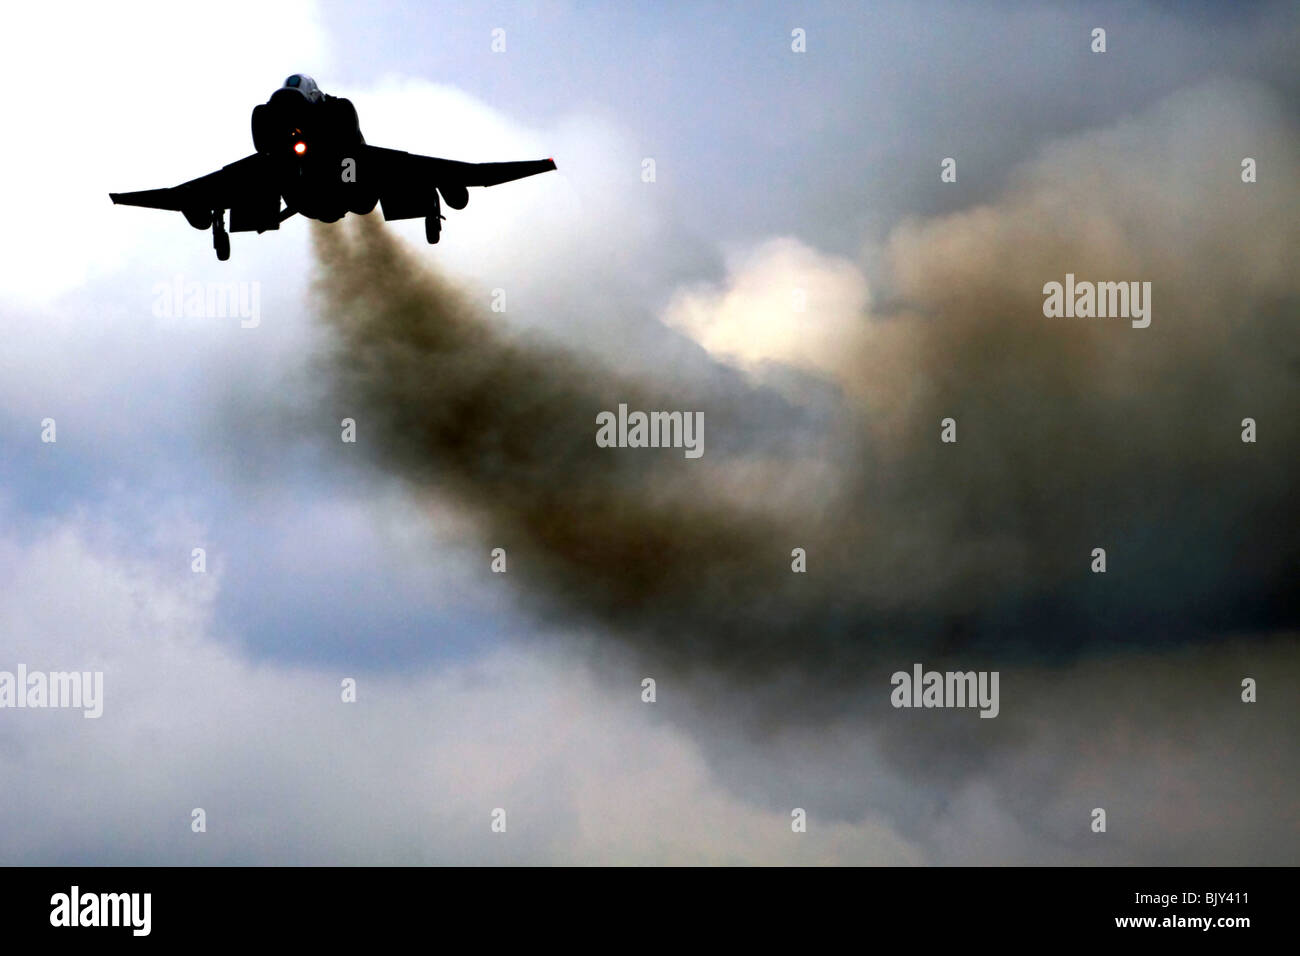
(114, 197)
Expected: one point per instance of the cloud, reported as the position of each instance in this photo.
(1187, 773)
(587, 773)
(782, 302)
(287, 773)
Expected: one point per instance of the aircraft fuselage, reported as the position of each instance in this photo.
(313, 145)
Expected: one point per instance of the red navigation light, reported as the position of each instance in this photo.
(300, 147)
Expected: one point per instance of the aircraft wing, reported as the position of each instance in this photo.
(228, 188)
(395, 165)
(405, 179)
(246, 187)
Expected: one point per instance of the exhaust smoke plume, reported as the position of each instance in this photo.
(1072, 433)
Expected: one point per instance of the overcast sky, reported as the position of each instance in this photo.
(774, 171)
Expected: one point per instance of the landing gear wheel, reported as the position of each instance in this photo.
(220, 238)
(432, 228)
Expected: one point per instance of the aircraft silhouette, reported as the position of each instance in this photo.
(310, 151)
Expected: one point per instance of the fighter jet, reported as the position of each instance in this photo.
(311, 154)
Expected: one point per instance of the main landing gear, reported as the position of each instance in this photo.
(433, 222)
(220, 238)
(432, 228)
